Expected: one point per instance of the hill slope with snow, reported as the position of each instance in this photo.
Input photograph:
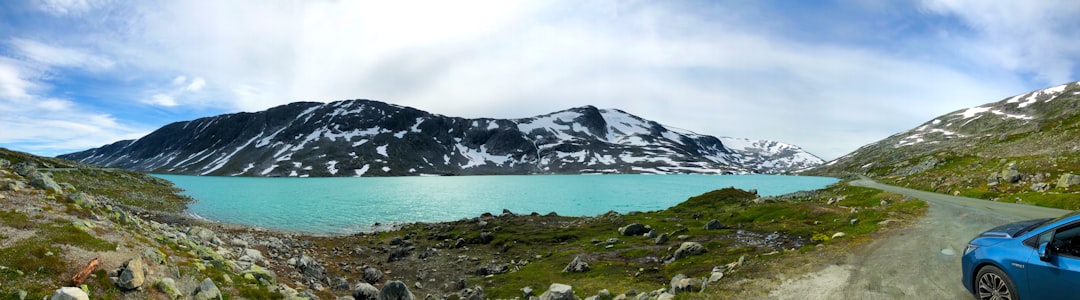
(370, 138)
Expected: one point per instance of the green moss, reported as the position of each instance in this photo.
(68, 233)
(16, 219)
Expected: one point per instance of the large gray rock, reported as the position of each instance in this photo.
(207, 290)
(396, 290)
(714, 224)
(167, 286)
(44, 181)
(70, 293)
(365, 291)
(132, 275)
(1068, 180)
(633, 229)
(688, 249)
(82, 200)
(1011, 174)
(681, 284)
(576, 266)
(558, 291)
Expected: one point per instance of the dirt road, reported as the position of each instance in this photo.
(922, 262)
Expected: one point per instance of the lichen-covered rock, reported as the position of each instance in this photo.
(167, 286)
(681, 284)
(45, 181)
(207, 290)
(1068, 180)
(82, 200)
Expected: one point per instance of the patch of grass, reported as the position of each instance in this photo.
(67, 233)
(33, 265)
(126, 187)
(16, 219)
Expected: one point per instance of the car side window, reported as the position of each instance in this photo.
(1067, 240)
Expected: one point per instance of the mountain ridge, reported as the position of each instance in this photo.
(371, 138)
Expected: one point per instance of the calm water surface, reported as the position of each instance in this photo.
(349, 205)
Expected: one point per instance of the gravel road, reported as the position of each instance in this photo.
(921, 262)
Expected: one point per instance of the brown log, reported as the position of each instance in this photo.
(83, 274)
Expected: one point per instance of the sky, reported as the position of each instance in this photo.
(829, 76)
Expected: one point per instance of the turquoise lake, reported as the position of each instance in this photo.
(349, 205)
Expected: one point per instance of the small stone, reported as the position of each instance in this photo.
(167, 286)
(838, 235)
(238, 243)
(663, 238)
(854, 221)
(527, 292)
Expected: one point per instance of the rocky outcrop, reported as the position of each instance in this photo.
(634, 229)
(131, 276)
(714, 224)
(576, 266)
(1067, 180)
(688, 249)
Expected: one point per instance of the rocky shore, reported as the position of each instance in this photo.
(154, 253)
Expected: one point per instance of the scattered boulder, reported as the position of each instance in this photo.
(207, 290)
(70, 293)
(576, 266)
(340, 284)
(45, 181)
(131, 275)
(238, 243)
(854, 222)
(396, 290)
(476, 293)
(365, 291)
(1040, 187)
(492, 270)
(663, 238)
(399, 253)
(527, 292)
(310, 268)
(681, 284)
(1068, 180)
(634, 229)
(688, 249)
(558, 291)
(713, 225)
(1011, 174)
(82, 200)
(372, 275)
(167, 286)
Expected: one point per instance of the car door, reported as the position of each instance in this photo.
(1058, 276)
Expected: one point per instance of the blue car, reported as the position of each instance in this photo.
(1035, 259)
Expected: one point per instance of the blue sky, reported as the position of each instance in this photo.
(829, 76)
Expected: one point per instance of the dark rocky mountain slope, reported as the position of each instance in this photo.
(370, 138)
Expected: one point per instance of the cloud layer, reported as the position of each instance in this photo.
(857, 73)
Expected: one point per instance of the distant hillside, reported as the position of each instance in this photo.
(1016, 149)
(370, 138)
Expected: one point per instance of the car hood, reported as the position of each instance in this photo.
(1012, 229)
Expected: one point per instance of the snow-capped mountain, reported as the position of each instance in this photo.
(1035, 123)
(370, 138)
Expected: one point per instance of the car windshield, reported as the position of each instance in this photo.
(1044, 224)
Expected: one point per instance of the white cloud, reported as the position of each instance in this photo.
(66, 7)
(1038, 37)
(54, 56)
(196, 84)
(179, 80)
(161, 100)
(12, 84)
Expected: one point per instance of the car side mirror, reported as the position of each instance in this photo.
(1044, 251)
